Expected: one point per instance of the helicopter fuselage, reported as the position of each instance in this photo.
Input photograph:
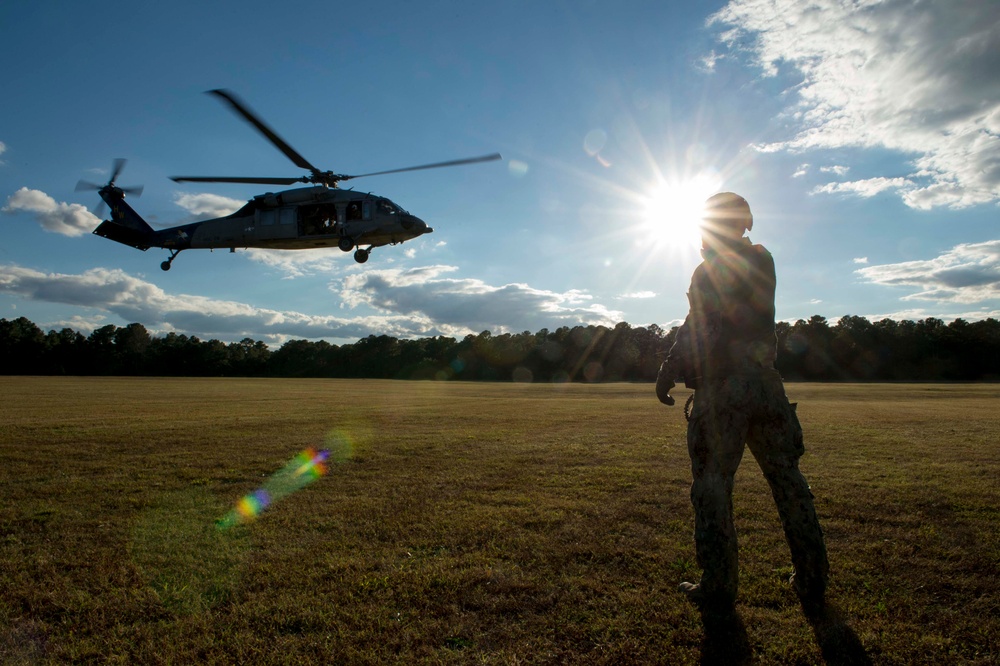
(302, 218)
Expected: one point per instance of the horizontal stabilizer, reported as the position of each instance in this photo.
(125, 235)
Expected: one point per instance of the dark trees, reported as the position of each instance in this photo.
(854, 349)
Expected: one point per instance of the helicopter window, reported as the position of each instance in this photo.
(367, 207)
(287, 216)
(354, 210)
(386, 207)
(267, 217)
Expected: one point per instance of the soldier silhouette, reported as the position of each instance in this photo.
(725, 350)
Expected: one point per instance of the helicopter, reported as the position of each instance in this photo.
(322, 215)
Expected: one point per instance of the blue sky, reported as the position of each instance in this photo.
(865, 135)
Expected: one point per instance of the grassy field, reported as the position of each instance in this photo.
(474, 523)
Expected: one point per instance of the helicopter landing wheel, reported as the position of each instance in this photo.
(345, 244)
(166, 264)
(361, 256)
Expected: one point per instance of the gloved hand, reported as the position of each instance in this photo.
(665, 382)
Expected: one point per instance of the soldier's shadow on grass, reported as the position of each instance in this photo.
(726, 642)
(837, 641)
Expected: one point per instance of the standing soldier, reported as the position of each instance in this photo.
(725, 350)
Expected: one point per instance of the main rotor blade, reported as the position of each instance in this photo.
(238, 179)
(241, 108)
(82, 185)
(116, 168)
(470, 160)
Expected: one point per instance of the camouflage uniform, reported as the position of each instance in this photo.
(725, 350)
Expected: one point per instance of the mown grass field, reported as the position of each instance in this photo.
(473, 523)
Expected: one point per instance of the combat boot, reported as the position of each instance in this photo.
(693, 592)
(716, 605)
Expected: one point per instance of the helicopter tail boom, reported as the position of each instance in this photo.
(123, 234)
(125, 225)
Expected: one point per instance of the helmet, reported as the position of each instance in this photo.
(730, 210)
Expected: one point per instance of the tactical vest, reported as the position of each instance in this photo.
(730, 327)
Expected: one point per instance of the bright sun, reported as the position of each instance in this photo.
(672, 211)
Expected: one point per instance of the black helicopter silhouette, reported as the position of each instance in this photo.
(302, 218)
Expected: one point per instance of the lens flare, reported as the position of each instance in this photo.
(251, 505)
(673, 211)
(311, 463)
(299, 472)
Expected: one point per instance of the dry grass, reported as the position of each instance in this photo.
(472, 523)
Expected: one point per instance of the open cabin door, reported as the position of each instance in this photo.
(317, 219)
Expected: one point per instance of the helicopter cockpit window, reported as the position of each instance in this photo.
(386, 207)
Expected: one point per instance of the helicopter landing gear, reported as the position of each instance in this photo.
(361, 255)
(166, 264)
(345, 243)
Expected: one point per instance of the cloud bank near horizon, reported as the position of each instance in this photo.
(400, 303)
(968, 273)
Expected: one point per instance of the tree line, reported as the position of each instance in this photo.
(853, 349)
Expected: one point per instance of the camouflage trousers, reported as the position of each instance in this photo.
(729, 414)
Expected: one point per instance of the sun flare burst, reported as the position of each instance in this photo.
(672, 211)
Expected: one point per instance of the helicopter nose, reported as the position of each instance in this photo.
(418, 226)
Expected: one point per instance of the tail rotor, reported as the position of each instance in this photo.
(109, 188)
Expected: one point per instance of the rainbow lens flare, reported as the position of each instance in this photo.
(253, 504)
(299, 472)
(311, 463)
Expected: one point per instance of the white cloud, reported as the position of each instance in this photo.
(836, 170)
(60, 218)
(135, 300)
(968, 273)
(3, 149)
(462, 305)
(864, 188)
(83, 325)
(919, 314)
(861, 260)
(801, 171)
(707, 63)
(297, 263)
(639, 294)
(213, 205)
(914, 76)
(408, 303)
